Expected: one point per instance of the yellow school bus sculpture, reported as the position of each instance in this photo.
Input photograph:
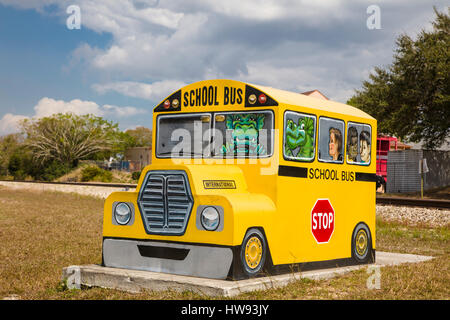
(245, 179)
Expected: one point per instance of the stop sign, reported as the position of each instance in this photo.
(322, 220)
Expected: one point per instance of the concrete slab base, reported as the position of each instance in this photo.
(136, 281)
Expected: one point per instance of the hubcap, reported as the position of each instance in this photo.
(361, 242)
(253, 252)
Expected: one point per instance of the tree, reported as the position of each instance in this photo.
(68, 138)
(411, 97)
(22, 165)
(8, 145)
(141, 136)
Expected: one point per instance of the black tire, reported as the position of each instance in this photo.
(362, 251)
(251, 259)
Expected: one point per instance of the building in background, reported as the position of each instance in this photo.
(315, 94)
(138, 157)
(385, 144)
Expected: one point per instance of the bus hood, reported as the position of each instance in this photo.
(206, 179)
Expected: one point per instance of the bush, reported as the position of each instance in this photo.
(53, 170)
(94, 173)
(135, 175)
(22, 167)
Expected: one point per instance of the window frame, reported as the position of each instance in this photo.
(287, 158)
(179, 115)
(343, 141)
(359, 163)
(212, 125)
(272, 128)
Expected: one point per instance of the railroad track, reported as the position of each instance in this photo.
(414, 202)
(396, 201)
(92, 184)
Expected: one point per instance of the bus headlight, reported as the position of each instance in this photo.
(122, 213)
(210, 218)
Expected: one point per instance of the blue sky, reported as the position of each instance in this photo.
(128, 55)
(35, 49)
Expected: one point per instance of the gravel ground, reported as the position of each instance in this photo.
(415, 215)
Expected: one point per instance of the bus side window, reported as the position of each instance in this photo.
(358, 143)
(243, 134)
(331, 140)
(299, 136)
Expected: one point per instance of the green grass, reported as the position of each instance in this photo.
(41, 233)
(397, 237)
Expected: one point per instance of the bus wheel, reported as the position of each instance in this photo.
(362, 244)
(253, 252)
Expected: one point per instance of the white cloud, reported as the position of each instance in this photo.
(155, 91)
(203, 39)
(9, 123)
(264, 10)
(48, 106)
(146, 53)
(122, 111)
(288, 44)
(121, 17)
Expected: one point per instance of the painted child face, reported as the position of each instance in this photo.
(333, 147)
(353, 148)
(364, 151)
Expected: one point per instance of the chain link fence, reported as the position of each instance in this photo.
(403, 174)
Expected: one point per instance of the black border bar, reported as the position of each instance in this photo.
(364, 176)
(302, 172)
(290, 171)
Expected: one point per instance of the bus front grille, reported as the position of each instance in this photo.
(165, 202)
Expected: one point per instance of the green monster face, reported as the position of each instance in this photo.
(295, 134)
(299, 135)
(245, 132)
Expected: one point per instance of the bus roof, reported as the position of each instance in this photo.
(276, 96)
(292, 98)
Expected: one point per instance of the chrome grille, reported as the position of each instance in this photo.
(165, 202)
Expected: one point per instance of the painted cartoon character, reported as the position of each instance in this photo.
(300, 136)
(335, 144)
(245, 129)
(352, 144)
(364, 146)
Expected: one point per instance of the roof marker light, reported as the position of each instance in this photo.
(262, 98)
(166, 104)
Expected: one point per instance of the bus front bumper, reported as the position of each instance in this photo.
(177, 258)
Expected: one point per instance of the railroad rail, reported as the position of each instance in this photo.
(395, 201)
(92, 184)
(414, 202)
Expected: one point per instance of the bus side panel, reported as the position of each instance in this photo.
(297, 197)
(352, 199)
(353, 202)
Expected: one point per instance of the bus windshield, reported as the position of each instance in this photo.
(218, 135)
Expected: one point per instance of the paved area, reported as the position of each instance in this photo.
(135, 281)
